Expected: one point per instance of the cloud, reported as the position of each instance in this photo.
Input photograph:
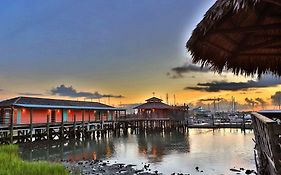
(30, 94)
(216, 86)
(177, 72)
(212, 99)
(63, 90)
(1, 89)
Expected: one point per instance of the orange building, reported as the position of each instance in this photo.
(24, 110)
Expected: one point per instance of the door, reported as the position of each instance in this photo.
(7, 117)
(65, 115)
(18, 116)
(110, 116)
(53, 116)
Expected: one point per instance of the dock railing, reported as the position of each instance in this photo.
(268, 144)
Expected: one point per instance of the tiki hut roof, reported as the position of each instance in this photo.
(243, 36)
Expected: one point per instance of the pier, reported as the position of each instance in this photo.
(268, 143)
(81, 129)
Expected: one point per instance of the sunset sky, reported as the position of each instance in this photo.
(125, 50)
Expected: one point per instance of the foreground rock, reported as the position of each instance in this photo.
(99, 167)
(96, 167)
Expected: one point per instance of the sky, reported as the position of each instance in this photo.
(115, 52)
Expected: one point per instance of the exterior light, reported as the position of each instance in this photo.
(23, 110)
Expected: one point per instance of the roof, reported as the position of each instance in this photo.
(32, 102)
(154, 99)
(243, 36)
(153, 105)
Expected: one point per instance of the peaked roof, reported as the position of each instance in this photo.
(154, 99)
(154, 105)
(240, 35)
(34, 102)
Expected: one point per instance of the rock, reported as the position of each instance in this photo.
(234, 170)
(249, 171)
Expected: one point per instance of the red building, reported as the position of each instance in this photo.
(23, 110)
(155, 108)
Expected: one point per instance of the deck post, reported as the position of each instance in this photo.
(48, 127)
(62, 125)
(74, 126)
(12, 126)
(31, 124)
(83, 122)
(244, 123)
(89, 120)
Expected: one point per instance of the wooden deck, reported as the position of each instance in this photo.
(80, 129)
(268, 145)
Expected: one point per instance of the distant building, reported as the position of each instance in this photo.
(155, 108)
(23, 109)
(200, 111)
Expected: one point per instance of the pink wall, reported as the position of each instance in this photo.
(40, 115)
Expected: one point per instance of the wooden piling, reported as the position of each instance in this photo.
(62, 125)
(48, 127)
(74, 126)
(12, 126)
(31, 124)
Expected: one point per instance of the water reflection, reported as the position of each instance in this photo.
(215, 151)
(153, 145)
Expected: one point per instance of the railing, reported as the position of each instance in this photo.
(268, 144)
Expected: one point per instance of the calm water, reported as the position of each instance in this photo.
(214, 151)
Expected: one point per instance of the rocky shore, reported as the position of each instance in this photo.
(99, 167)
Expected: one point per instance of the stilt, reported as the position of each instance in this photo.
(12, 126)
(31, 125)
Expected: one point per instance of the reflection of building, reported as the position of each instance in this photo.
(155, 108)
(155, 146)
(71, 150)
(23, 110)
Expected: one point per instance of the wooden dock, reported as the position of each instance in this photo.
(268, 144)
(79, 129)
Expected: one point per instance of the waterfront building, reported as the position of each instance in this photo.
(26, 110)
(155, 108)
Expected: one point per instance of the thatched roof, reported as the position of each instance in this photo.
(240, 35)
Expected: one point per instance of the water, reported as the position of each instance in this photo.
(213, 151)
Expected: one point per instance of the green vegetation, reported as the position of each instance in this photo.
(12, 164)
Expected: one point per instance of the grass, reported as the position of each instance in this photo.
(12, 164)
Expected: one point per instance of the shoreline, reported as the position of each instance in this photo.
(102, 167)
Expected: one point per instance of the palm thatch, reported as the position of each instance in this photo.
(243, 36)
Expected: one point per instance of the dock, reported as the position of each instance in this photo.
(267, 131)
(81, 129)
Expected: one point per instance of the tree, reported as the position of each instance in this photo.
(276, 99)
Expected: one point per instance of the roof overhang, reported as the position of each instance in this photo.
(243, 36)
(68, 107)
